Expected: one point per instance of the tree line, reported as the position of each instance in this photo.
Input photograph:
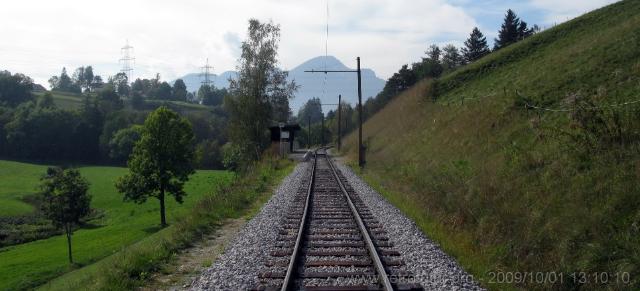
(436, 62)
(439, 61)
(105, 126)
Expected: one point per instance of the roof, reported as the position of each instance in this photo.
(287, 127)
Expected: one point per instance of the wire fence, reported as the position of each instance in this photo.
(529, 106)
(604, 106)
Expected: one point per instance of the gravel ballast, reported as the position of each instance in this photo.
(245, 257)
(238, 267)
(430, 266)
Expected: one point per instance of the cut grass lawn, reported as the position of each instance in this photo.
(16, 181)
(31, 264)
(131, 266)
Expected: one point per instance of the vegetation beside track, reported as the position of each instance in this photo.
(131, 266)
(510, 190)
(116, 225)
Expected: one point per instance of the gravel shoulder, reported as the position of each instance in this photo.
(245, 256)
(238, 267)
(432, 268)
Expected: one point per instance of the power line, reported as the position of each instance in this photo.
(326, 54)
(127, 60)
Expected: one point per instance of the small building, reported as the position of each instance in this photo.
(288, 136)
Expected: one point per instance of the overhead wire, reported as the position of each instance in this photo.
(326, 53)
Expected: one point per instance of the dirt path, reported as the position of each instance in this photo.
(179, 274)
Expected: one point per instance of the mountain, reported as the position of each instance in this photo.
(506, 186)
(313, 85)
(194, 80)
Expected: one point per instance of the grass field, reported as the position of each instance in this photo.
(132, 265)
(17, 180)
(31, 264)
(503, 188)
(74, 101)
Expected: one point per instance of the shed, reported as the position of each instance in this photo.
(288, 134)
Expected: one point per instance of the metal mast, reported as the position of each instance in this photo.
(127, 61)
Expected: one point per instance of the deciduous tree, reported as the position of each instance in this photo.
(162, 160)
(179, 90)
(65, 200)
(451, 58)
(257, 95)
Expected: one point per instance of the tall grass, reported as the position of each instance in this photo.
(505, 189)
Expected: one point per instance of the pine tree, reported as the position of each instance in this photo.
(475, 47)
(524, 31)
(509, 32)
(451, 58)
(434, 53)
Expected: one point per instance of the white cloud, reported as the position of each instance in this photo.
(559, 11)
(175, 37)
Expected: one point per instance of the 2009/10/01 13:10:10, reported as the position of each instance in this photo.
(559, 278)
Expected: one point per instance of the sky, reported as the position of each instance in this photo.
(174, 38)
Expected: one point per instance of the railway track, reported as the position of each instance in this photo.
(329, 240)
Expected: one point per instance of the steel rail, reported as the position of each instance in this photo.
(386, 284)
(289, 277)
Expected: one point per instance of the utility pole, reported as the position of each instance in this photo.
(309, 129)
(361, 160)
(322, 131)
(339, 121)
(127, 60)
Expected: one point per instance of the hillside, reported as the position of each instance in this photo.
(506, 189)
(311, 85)
(72, 101)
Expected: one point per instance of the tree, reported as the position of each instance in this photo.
(257, 94)
(97, 83)
(46, 101)
(179, 90)
(508, 33)
(475, 47)
(162, 160)
(15, 89)
(120, 82)
(83, 77)
(88, 77)
(123, 141)
(210, 95)
(451, 58)
(312, 110)
(65, 200)
(137, 101)
(434, 53)
(64, 83)
(162, 91)
(524, 31)
(109, 100)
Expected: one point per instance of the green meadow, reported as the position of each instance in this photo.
(118, 224)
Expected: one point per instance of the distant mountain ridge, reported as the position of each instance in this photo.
(312, 84)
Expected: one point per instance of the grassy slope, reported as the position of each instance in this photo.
(18, 179)
(501, 189)
(34, 263)
(74, 101)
